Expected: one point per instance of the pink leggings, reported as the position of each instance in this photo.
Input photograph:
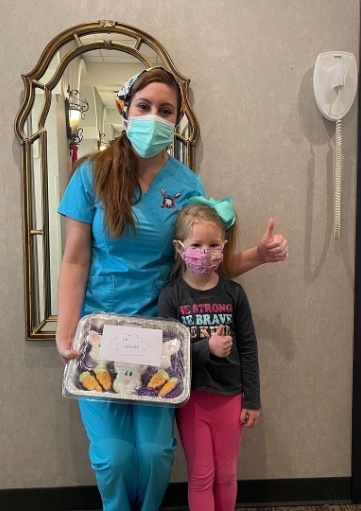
(211, 433)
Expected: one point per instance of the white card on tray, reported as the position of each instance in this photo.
(131, 345)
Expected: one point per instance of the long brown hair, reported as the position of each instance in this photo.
(115, 168)
(199, 213)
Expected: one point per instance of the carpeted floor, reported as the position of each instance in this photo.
(326, 507)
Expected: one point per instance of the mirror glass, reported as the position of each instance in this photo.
(81, 69)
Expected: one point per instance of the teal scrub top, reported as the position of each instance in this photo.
(127, 273)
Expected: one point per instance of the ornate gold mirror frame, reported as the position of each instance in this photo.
(43, 141)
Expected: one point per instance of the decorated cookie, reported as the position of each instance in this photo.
(103, 376)
(94, 340)
(169, 348)
(168, 387)
(89, 381)
(158, 379)
(127, 379)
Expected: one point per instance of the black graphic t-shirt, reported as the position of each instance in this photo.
(203, 312)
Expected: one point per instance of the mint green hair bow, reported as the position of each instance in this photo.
(223, 208)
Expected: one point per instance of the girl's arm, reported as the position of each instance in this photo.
(72, 283)
(271, 249)
(248, 354)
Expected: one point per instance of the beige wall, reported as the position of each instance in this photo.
(263, 140)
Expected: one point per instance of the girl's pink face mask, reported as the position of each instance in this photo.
(202, 260)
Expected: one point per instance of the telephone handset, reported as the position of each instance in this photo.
(335, 86)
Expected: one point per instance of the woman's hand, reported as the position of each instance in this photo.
(65, 351)
(273, 247)
(249, 418)
(220, 344)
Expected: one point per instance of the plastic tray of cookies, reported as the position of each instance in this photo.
(132, 359)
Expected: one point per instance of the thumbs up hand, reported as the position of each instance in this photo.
(220, 344)
(272, 247)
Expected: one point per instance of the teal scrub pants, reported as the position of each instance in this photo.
(131, 452)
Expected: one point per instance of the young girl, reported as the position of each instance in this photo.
(225, 393)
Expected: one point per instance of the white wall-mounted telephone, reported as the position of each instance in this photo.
(335, 86)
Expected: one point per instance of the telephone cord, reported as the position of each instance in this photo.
(337, 180)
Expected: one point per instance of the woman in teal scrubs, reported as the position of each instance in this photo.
(120, 205)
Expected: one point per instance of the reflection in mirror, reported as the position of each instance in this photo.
(84, 63)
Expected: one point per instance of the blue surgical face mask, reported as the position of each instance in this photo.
(149, 134)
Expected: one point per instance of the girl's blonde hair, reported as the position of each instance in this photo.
(115, 169)
(200, 213)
